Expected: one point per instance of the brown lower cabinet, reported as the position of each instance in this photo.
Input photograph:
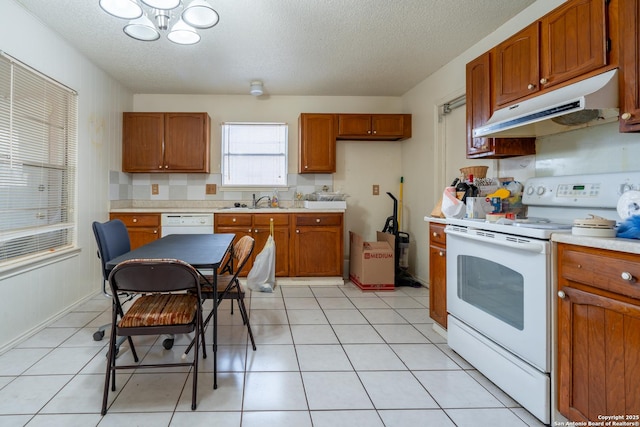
(142, 228)
(438, 274)
(306, 244)
(598, 333)
(317, 247)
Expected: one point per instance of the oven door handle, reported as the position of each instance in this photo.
(525, 246)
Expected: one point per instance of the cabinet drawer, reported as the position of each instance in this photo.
(319, 219)
(436, 234)
(232, 219)
(607, 270)
(137, 220)
(265, 219)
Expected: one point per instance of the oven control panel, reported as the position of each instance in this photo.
(589, 191)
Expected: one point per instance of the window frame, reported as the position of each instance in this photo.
(38, 143)
(224, 163)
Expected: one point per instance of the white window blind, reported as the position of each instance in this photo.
(254, 154)
(38, 139)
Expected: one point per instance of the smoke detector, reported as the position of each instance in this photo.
(256, 88)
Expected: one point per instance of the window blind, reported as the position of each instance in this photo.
(254, 154)
(38, 144)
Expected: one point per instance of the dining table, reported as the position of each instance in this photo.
(201, 251)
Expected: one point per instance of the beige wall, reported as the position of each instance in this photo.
(33, 296)
(360, 164)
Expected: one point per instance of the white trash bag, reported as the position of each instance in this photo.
(262, 276)
(451, 206)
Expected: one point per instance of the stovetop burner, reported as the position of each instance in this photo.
(553, 203)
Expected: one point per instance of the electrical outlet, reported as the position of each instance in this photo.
(376, 190)
(210, 189)
(154, 189)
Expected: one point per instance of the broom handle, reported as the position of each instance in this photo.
(400, 204)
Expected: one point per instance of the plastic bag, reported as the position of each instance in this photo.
(451, 206)
(262, 276)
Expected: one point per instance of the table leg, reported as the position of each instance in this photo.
(215, 328)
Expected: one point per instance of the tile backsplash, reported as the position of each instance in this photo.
(192, 187)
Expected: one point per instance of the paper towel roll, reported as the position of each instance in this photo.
(629, 204)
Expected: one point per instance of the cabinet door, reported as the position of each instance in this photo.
(142, 138)
(186, 142)
(478, 104)
(317, 245)
(316, 143)
(630, 90)
(142, 228)
(281, 238)
(238, 224)
(516, 66)
(354, 125)
(438, 284)
(598, 356)
(573, 41)
(389, 125)
(140, 236)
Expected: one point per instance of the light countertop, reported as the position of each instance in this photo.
(612, 243)
(219, 210)
(435, 219)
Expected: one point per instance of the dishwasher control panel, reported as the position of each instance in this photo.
(186, 220)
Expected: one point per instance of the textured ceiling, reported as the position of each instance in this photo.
(296, 47)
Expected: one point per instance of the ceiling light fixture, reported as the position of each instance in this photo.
(147, 18)
(256, 88)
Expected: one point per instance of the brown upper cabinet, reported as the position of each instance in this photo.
(166, 142)
(479, 111)
(394, 127)
(629, 86)
(568, 42)
(316, 143)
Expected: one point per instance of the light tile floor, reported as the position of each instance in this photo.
(329, 356)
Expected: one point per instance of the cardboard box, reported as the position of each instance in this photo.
(372, 264)
(478, 207)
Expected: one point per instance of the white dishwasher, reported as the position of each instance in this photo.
(186, 223)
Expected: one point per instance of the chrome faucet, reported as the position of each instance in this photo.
(255, 202)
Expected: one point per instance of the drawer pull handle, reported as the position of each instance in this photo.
(435, 234)
(298, 231)
(318, 220)
(627, 276)
(233, 220)
(625, 116)
(441, 253)
(544, 81)
(135, 219)
(155, 231)
(561, 294)
(531, 86)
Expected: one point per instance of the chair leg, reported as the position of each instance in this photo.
(110, 376)
(245, 317)
(196, 338)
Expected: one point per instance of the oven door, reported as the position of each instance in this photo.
(499, 285)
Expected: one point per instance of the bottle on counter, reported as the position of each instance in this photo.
(274, 199)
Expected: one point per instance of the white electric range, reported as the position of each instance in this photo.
(499, 282)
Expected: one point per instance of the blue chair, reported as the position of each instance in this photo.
(112, 238)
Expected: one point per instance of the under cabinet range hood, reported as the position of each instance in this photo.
(587, 102)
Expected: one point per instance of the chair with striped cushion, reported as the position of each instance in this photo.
(169, 303)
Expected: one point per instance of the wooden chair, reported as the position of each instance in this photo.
(229, 287)
(170, 302)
